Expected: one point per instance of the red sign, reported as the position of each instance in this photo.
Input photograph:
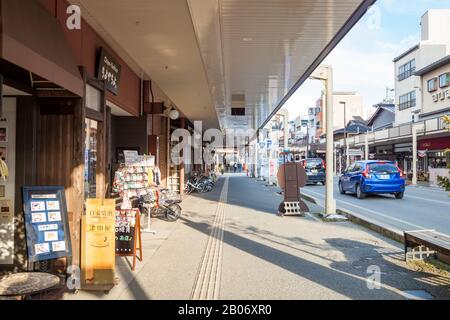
(434, 144)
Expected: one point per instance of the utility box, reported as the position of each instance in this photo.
(291, 177)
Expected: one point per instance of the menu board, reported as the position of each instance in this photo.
(125, 231)
(47, 229)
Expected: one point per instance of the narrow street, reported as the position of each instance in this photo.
(237, 248)
(421, 207)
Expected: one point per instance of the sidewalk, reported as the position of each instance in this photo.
(237, 248)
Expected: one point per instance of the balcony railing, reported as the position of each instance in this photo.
(402, 131)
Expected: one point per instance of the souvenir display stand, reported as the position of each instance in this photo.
(133, 181)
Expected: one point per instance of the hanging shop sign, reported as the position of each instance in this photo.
(109, 70)
(422, 153)
(355, 152)
(98, 244)
(128, 234)
(6, 232)
(46, 223)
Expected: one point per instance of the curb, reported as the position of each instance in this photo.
(391, 233)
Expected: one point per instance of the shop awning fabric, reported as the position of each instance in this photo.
(32, 39)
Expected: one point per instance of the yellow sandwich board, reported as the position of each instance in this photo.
(98, 245)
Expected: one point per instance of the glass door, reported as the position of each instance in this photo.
(90, 159)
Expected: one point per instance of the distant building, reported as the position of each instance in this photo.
(354, 106)
(383, 118)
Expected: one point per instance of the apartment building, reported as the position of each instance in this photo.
(434, 45)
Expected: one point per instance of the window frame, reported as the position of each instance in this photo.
(406, 70)
(447, 75)
(435, 82)
(408, 100)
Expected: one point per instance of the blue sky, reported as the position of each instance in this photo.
(362, 62)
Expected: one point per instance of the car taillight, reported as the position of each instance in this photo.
(365, 173)
(323, 164)
(400, 172)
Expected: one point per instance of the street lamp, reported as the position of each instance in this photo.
(325, 74)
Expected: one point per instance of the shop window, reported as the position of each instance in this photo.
(444, 80)
(432, 85)
(90, 159)
(93, 98)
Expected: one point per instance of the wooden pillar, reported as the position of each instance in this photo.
(79, 133)
(108, 150)
(101, 150)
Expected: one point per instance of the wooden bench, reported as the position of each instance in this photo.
(420, 244)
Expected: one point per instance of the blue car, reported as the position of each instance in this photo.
(372, 177)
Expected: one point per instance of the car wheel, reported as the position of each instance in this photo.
(359, 193)
(399, 195)
(341, 188)
(324, 182)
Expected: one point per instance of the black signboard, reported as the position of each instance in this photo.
(125, 231)
(109, 71)
(128, 234)
(46, 223)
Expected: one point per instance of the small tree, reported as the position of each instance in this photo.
(444, 182)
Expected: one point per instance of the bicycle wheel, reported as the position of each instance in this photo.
(173, 212)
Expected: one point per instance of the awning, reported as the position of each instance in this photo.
(32, 39)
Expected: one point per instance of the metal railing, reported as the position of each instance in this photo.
(402, 131)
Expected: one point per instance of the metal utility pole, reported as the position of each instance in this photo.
(366, 146)
(307, 141)
(345, 132)
(325, 74)
(414, 152)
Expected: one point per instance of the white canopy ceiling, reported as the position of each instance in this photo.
(210, 55)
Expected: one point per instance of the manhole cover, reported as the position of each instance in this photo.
(417, 295)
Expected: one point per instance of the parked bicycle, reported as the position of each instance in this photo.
(200, 184)
(168, 205)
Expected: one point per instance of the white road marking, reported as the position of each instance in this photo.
(371, 211)
(425, 199)
(207, 282)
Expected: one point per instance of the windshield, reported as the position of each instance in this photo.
(386, 168)
(313, 164)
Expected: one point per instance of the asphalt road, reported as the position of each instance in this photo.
(421, 207)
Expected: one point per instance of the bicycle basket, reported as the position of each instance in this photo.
(169, 195)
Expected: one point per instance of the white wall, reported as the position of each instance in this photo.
(7, 220)
(405, 86)
(443, 101)
(354, 107)
(435, 26)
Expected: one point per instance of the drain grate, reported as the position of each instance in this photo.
(417, 295)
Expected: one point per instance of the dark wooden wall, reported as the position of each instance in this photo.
(49, 152)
